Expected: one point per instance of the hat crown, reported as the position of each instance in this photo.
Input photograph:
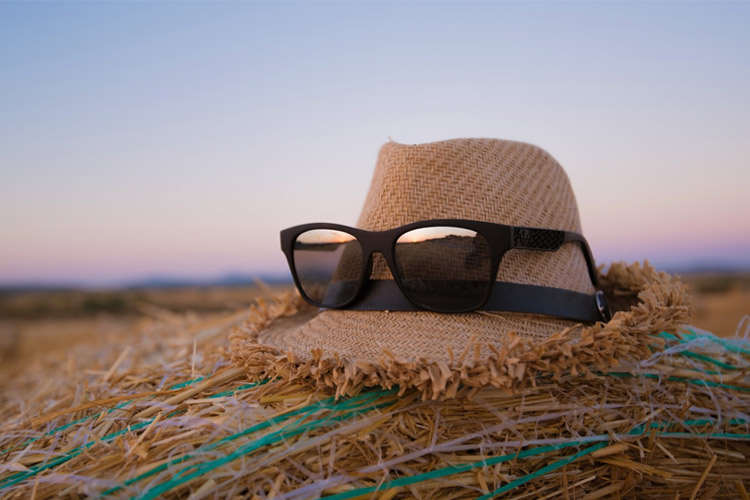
(491, 180)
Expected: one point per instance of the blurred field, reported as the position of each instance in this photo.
(35, 322)
(720, 302)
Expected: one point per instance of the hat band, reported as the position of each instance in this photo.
(385, 295)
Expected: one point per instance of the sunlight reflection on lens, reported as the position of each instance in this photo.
(431, 233)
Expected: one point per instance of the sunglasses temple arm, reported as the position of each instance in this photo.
(571, 236)
(550, 240)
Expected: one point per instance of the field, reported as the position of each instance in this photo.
(35, 322)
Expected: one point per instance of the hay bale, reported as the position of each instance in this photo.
(164, 414)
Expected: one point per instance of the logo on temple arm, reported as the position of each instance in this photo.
(537, 239)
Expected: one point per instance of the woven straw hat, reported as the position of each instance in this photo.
(489, 180)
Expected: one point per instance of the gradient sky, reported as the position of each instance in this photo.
(178, 138)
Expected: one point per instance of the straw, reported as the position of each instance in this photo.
(166, 420)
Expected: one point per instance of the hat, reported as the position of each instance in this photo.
(489, 180)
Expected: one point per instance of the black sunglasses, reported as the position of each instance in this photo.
(446, 265)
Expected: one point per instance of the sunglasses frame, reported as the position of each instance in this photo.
(500, 237)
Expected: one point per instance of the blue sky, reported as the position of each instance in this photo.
(179, 138)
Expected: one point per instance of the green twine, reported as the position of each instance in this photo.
(20, 476)
(304, 411)
(96, 416)
(687, 337)
(603, 438)
(288, 431)
(709, 359)
(187, 383)
(63, 427)
(696, 381)
(729, 346)
(544, 470)
(454, 469)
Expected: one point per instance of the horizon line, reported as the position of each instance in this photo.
(246, 278)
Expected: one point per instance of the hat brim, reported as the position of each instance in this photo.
(440, 353)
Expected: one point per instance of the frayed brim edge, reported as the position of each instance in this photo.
(663, 305)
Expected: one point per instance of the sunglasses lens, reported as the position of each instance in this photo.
(328, 264)
(444, 268)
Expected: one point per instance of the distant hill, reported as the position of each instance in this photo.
(233, 279)
(240, 279)
(154, 282)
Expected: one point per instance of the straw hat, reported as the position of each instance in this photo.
(490, 180)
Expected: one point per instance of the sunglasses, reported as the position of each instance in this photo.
(446, 265)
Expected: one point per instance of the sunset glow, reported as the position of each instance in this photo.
(431, 233)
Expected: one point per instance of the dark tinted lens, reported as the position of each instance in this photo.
(328, 265)
(444, 268)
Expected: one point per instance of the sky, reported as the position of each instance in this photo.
(177, 139)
